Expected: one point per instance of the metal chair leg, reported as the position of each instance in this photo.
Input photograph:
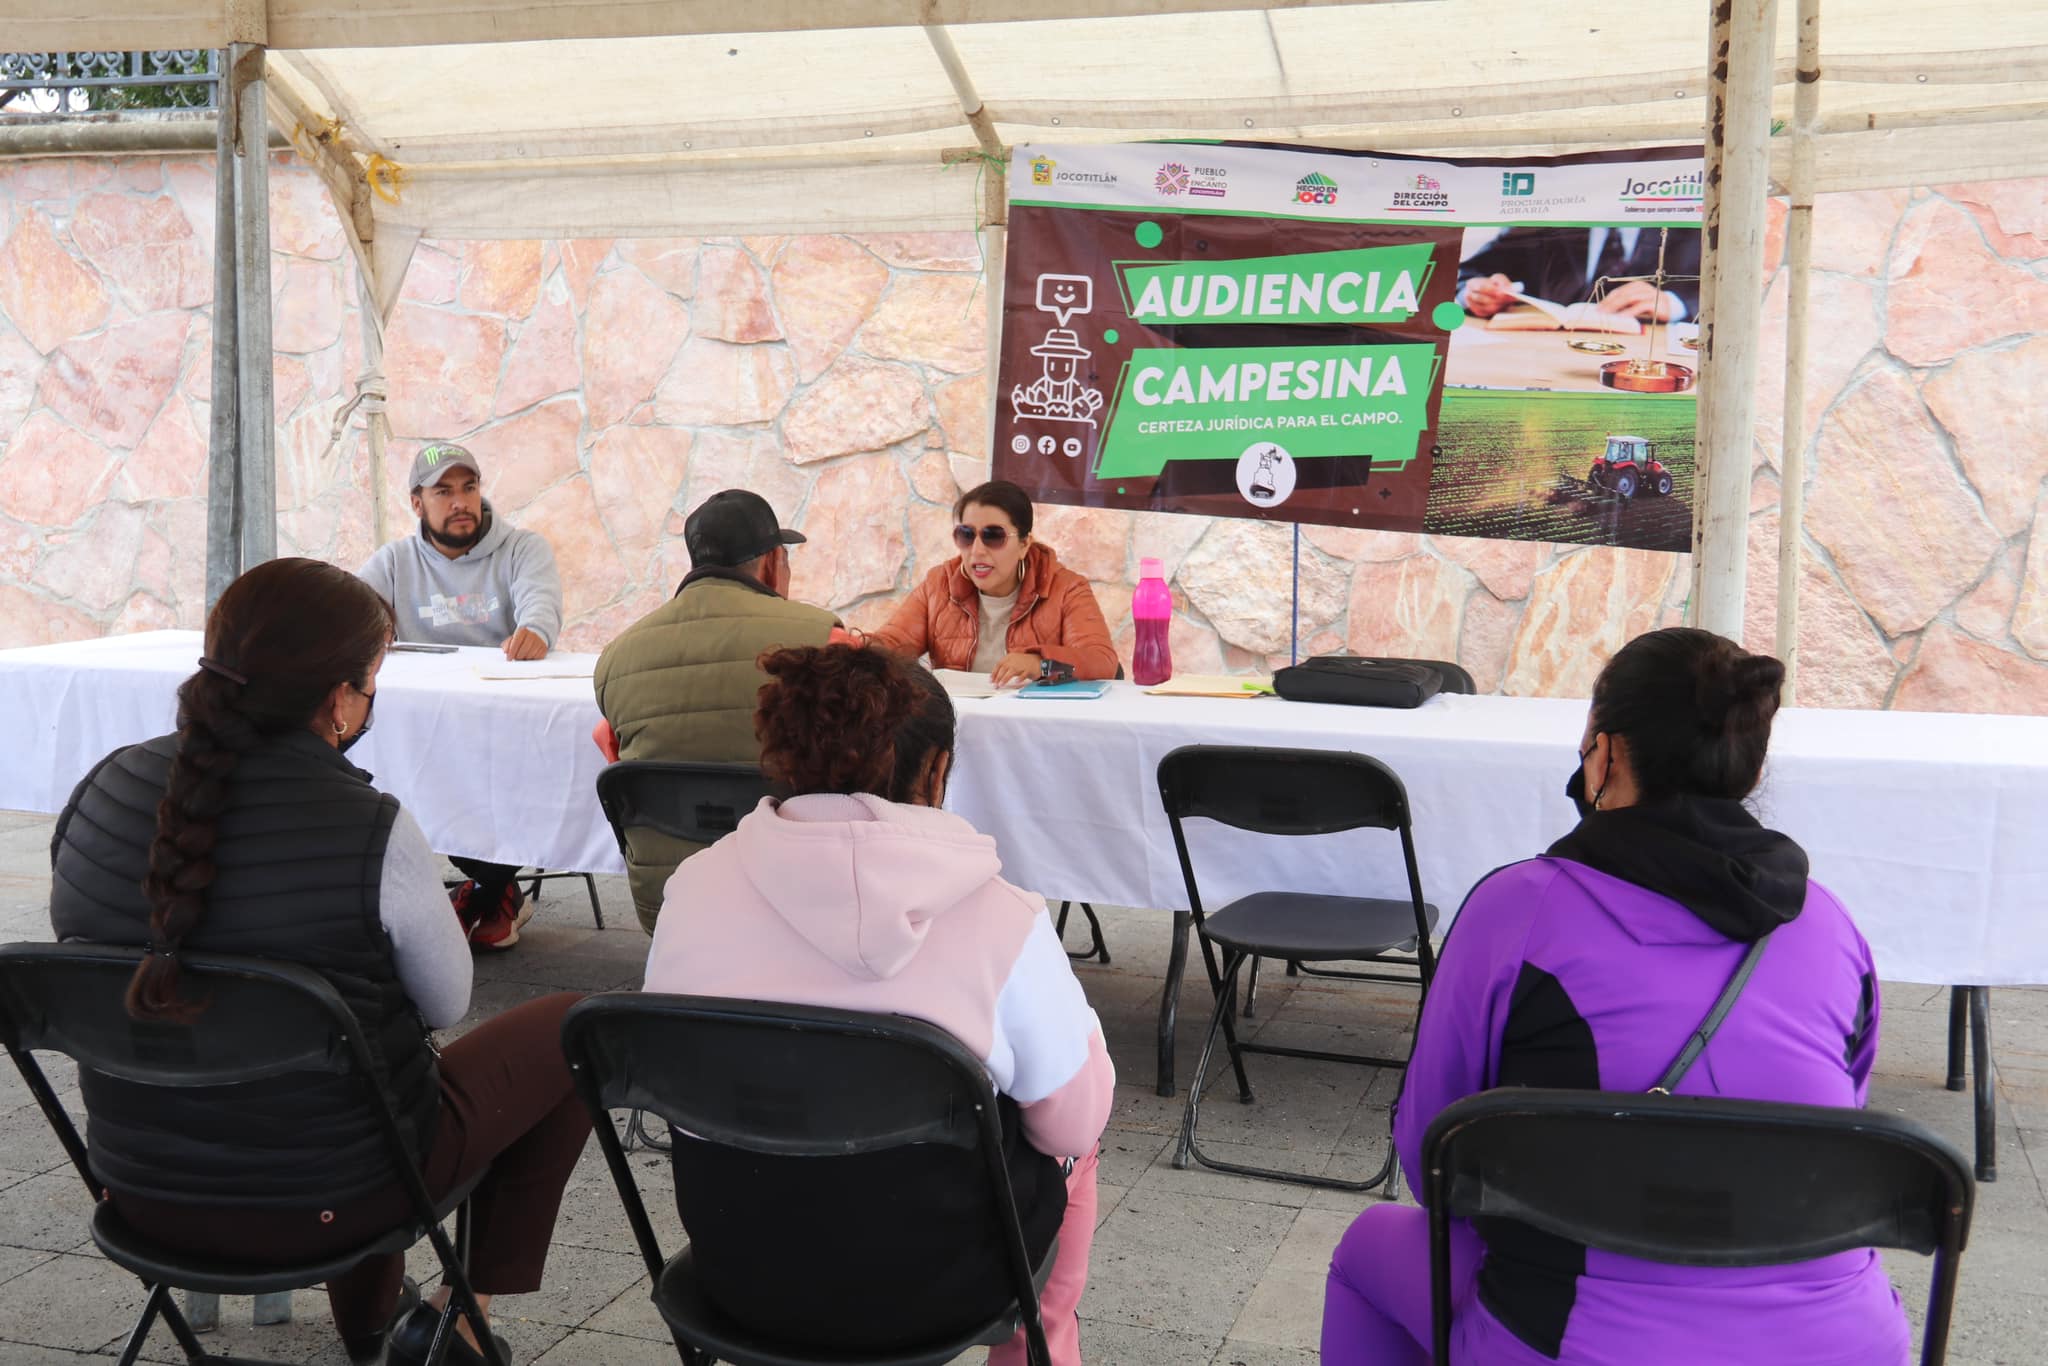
(639, 1135)
(1169, 1000)
(1958, 1025)
(1987, 1100)
(159, 1295)
(1188, 1148)
(1251, 989)
(1098, 946)
(589, 886)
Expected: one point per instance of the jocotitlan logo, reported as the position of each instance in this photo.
(1689, 188)
(1041, 170)
(1315, 188)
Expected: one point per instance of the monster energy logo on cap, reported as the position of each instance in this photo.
(436, 458)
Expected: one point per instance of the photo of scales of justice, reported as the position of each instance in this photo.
(1649, 373)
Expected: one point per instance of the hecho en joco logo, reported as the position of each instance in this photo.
(1315, 188)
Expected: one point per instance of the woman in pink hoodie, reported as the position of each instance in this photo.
(857, 892)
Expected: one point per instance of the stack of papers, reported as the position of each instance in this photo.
(1213, 685)
(961, 683)
(537, 668)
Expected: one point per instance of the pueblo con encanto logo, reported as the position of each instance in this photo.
(1175, 178)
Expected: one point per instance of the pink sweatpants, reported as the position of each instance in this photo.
(1061, 1299)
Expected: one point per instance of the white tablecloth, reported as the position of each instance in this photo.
(1933, 829)
(499, 770)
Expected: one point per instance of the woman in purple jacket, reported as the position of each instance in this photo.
(1588, 968)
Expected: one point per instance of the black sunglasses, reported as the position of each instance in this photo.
(991, 536)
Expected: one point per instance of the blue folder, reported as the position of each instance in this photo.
(1080, 687)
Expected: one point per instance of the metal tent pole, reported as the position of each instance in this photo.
(255, 419)
(1740, 62)
(1798, 262)
(1294, 632)
(223, 462)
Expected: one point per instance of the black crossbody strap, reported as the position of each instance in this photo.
(1723, 1003)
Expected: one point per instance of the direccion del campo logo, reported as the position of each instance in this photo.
(1315, 188)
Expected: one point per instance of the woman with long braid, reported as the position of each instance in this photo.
(246, 831)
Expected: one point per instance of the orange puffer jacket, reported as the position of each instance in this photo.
(1056, 618)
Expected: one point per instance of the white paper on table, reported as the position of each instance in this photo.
(962, 683)
(518, 671)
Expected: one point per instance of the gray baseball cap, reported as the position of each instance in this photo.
(436, 458)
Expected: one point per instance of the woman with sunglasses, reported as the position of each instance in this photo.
(1003, 606)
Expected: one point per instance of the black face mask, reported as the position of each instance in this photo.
(1576, 787)
(370, 699)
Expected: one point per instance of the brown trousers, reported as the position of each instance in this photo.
(507, 1102)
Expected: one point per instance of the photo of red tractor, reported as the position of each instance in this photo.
(1630, 464)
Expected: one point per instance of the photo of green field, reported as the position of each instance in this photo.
(1515, 464)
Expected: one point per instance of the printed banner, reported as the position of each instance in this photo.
(1470, 347)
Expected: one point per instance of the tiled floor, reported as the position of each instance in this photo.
(1189, 1267)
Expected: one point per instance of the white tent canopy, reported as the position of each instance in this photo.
(608, 117)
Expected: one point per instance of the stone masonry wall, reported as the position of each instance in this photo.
(610, 386)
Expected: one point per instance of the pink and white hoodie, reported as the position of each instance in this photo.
(858, 903)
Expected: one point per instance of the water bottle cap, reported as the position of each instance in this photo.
(1150, 568)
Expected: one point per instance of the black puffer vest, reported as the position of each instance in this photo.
(299, 857)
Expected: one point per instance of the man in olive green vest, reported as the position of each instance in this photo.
(680, 683)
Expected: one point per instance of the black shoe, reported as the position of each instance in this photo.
(369, 1351)
(410, 1342)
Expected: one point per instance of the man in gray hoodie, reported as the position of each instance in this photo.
(470, 579)
(467, 578)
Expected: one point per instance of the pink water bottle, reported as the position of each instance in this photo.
(1152, 610)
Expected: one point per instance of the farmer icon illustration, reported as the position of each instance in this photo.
(1058, 394)
(1265, 474)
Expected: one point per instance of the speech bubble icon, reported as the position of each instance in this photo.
(1065, 295)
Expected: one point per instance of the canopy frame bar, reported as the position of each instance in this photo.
(1793, 439)
(1731, 304)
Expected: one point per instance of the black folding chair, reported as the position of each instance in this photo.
(1696, 1181)
(700, 803)
(263, 1020)
(791, 1081)
(1456, 680)
(1287, 792)
(1969, 1012)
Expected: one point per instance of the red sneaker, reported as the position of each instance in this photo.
(459, 898)
(499, 928)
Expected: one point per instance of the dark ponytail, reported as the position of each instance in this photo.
(281, 638)
(1695, 709)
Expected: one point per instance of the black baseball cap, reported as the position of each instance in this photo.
(732, 527)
